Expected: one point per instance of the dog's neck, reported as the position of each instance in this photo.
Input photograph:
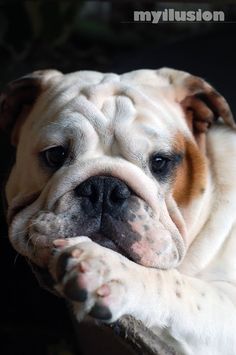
(205, 238)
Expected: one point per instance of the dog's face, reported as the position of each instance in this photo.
(120, 159)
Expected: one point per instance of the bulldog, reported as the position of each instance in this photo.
(123, 193)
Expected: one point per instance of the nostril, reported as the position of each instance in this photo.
(107, 193)
(88, 190)
(119, 194)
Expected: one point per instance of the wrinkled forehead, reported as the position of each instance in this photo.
(109, 106)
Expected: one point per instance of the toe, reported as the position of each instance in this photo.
(73, 292)
(100, 312)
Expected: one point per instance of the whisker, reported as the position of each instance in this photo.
(26, 229)
(15, 259)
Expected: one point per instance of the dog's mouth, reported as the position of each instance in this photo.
(135, 232)
(113, 234)
(108, 243)
(102, 208)
(118, 236)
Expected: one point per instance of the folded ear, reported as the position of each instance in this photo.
(18, 98)
(202, 104)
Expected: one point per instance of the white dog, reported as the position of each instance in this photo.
(132, 180)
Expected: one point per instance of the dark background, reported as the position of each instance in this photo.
(74, 35)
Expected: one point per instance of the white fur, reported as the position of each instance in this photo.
(122, 119)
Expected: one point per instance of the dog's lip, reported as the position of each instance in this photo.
(45, 242)
(104, 241)
(17, 207)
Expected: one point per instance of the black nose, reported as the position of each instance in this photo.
(103, 194)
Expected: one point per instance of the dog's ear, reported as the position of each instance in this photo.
(18, 98)
(202, 104)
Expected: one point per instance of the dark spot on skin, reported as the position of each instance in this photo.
(73, 292)
(100, 312)
(202, 190)
(143, 285)
(146, 207)
(198, 307)
(146, 227)
(178, 294)
(131, 217)
(150, 240)
(178, 282)
(174, 255)
(158, 253)
(171, 79)
(203, 294)
(134, 204)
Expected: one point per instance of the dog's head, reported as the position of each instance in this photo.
(120, 159)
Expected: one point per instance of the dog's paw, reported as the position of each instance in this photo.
(99, 281)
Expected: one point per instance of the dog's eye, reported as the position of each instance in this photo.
(54, 157)
(159, 163)
(163, 165)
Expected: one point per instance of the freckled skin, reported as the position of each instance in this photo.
(155, 246)
(135, 233)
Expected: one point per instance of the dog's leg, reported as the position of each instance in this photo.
(199, 315)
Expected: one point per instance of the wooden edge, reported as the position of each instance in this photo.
(140, 338)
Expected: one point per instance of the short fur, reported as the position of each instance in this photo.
(178, 237)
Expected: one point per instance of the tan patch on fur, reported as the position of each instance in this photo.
(203, 105)
(190, 179)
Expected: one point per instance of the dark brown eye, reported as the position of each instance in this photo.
(159, 163)
(163, 165)
(54, 157)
